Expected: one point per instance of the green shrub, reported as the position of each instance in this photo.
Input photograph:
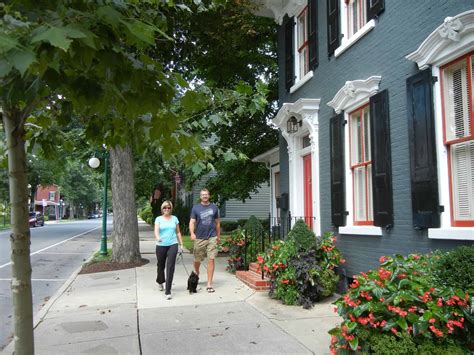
(455, 268)
(253, 227)
(147, 215)
(183, 213)
(301, 268)
(399, 299)
(229, 226)
(235, 245)
(303, 238)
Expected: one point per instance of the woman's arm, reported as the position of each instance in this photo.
(178, 233)
(157, 232)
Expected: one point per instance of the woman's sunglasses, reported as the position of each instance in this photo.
(166, 208)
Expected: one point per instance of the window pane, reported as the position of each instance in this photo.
(359, 194)
(303, 61)
(462, 171)
(356, 144)
(306, 141)
(370, 203)
(457, 105)
(366, 135)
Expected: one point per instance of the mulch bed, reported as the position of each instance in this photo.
(102, 266)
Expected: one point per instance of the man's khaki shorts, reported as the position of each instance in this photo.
(205, 247)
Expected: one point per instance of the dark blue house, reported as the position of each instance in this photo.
(377, 122)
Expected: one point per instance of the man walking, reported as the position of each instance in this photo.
(205, 230)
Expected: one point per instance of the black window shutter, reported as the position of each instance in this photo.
(374, 8)
(289, 52)
(313, 33)
(333, 25)
(424, 177)
(338, 197)
(381, 160)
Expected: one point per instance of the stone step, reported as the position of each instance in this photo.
(253, 280)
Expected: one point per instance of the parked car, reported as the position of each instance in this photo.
(36, 219)
(93, 215)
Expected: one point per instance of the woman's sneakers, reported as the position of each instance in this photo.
(168, 297)
(161, 287)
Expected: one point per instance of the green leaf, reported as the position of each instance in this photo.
(21, 60)
(229, 155)
(5, 68)
(402, 323)
(56, 36)
(7, 43)
(141, 31)
(354, 343)
(351, 326)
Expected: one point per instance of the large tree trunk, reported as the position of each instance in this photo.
(126, 246)
(20, 233)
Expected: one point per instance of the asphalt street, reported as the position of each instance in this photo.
(57, 250)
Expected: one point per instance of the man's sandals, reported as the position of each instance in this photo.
(210, 290)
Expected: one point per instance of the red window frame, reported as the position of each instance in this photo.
(305, 43)
(364, 163)
(448, 143)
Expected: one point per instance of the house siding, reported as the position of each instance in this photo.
(401, 28)
(258, 204)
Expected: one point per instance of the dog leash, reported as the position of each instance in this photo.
(180, 255)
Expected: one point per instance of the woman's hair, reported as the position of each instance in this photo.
(165, 204)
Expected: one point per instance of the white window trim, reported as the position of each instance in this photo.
(300, 83)
(361, 230)
(456, 233)
(347, 43)
(450, 40)
(352, 95)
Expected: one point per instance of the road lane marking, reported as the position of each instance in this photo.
(54, 245)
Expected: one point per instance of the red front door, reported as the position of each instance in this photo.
(308, 191)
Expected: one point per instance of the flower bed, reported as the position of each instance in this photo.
(301, 268)
(400, 308)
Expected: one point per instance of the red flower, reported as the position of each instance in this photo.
(382, 259)
(401, 276)
(343, 261)
(439, 302)
(384, 274)
(436, 331)
(394, 330)
(286, 282)
(416, 257)
(432, 320)
(354, 284)
(260, 259)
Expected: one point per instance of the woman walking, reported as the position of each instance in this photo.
(167, 234)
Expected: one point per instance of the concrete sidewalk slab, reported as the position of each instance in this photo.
(228, 288)
(128, 345)
(98, 290)
(226, 328)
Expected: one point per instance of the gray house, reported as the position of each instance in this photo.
(376, 119)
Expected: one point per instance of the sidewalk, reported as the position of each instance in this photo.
(123, 312)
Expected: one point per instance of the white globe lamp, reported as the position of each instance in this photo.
(94, 163)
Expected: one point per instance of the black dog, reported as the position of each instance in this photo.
(193, 280)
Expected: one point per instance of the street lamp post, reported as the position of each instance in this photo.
(60, 209)
(95, 163)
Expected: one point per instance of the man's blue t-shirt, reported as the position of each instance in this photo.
(205, 216)
(167, 230)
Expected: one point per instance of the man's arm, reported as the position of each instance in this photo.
(218, 230)
(192, 224)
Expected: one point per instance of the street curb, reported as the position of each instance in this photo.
(41, 314)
